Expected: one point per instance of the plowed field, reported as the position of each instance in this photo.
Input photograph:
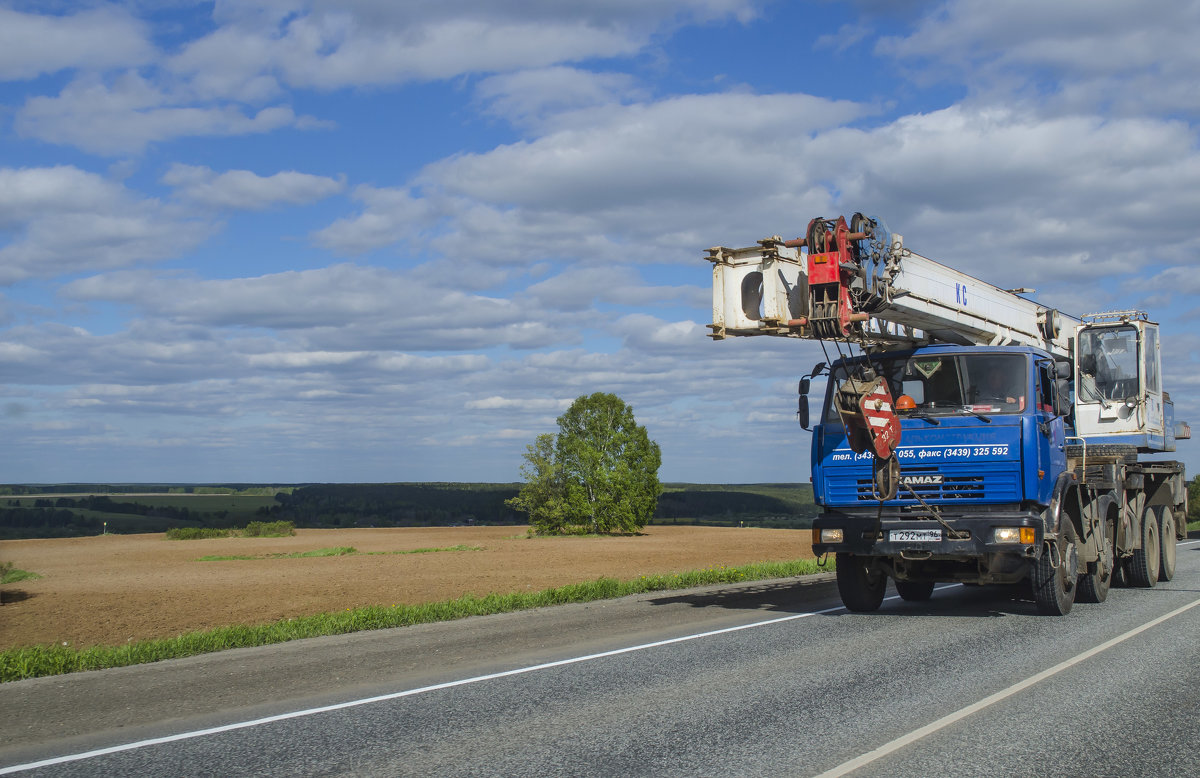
(114, 588)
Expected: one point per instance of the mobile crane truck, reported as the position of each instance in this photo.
(975, 436)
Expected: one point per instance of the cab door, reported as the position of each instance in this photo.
(1050, 431)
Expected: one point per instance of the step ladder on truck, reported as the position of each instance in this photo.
(968, 434)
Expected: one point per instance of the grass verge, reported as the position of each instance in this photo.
(36, 661)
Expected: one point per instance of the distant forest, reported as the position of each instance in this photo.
(65, 510)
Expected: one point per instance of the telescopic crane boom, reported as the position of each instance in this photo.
(857, 282)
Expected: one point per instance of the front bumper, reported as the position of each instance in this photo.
(972, 534)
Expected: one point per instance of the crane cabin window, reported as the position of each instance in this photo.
(1108, 364)
(1151, 351)
(950, 384)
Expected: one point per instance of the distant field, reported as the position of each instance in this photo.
(118, 588)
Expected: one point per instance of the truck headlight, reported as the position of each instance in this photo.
(1013, 535)
(827, 536)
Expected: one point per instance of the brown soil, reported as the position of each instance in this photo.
(114, 588)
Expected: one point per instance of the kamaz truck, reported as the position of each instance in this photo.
(967, 433)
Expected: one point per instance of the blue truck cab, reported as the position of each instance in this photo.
(982, 459)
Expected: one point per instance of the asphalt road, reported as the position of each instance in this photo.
(765, 679)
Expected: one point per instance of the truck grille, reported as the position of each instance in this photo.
(957, 482)
(952, 487)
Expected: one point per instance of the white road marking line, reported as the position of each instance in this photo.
(397, 695)
(917, 734)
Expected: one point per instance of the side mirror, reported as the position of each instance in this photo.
(818, 369)
(1062, 369)
(802, 411)
(1062, 397)
(805, 385)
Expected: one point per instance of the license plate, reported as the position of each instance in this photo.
(915, 535)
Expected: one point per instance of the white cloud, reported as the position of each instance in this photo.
(577, 289)
(528, 97)
(131, 112)
(64, 220)
(341, 308)
(1088, 54)
(496, 402)
(389, 216)
(332, 45)
(244, 190)
(644, 183)
(99, 38)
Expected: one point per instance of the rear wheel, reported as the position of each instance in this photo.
(1094, 584)
(860, 587)
(1166, 541)
(1054, 576)
(1143, 567)
(914, 591)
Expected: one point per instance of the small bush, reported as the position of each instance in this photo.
(196, 533)
(270, 529)
(10, 574)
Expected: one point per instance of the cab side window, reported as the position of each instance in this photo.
(1045, 389)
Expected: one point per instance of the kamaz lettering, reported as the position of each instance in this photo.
(921, 480)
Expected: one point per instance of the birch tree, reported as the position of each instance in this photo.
(599, 474)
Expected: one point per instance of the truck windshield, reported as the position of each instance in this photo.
(1108, 364)
(951, 384)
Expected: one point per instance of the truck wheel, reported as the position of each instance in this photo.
(1143, 567)
(914, 591)
(1094, 584)
(1166, 541)
(861, 588)
(1054, 579)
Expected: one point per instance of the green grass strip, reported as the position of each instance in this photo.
(36, 661)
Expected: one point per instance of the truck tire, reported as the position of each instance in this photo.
(1124, 453)
(1055, 574)
(1166, 542)
(1144, 565)
(914, 591)
(860, 587)
(1094, 584)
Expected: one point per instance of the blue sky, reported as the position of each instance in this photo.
(299, 241)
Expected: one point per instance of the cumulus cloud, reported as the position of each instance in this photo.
(388, 216)
(94, 39)
(529, 97)
(63, 220)
(642, 182)
(130, 112)
(340, 308)
(989, 189)
(245, 190)
(1088, 55)
(332, 45)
